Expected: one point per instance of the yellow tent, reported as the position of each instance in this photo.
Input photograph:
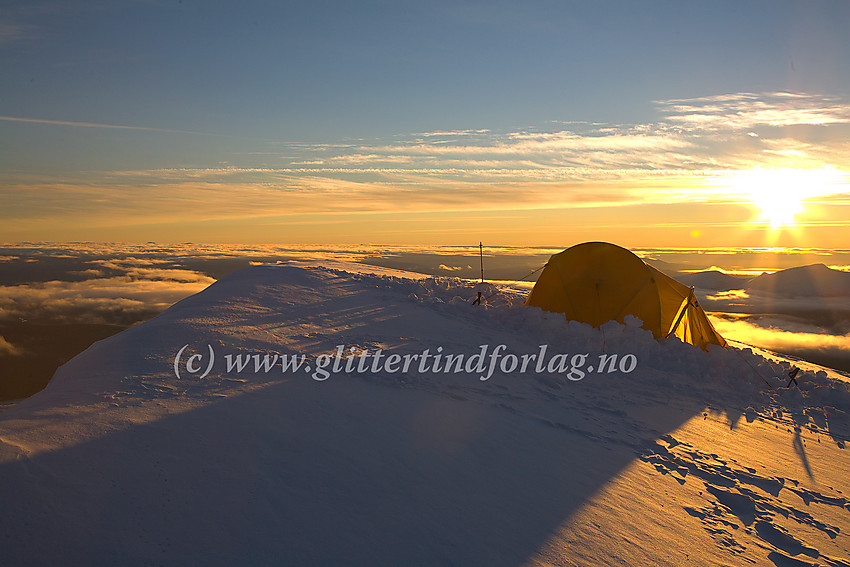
(597, 282)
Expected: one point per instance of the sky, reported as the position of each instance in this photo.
(655, 124)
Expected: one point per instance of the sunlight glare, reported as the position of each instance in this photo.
(779, 193)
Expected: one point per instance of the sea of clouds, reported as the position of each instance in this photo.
(126, 284)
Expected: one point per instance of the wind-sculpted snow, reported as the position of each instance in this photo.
(154, 447)
(744, 503)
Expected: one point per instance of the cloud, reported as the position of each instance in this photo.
(445, 133)
(94, 125)
(179, 197)
(773, 336)
(14, 31)
(358, 159)
(804, 152)
(8, 349)
(107, 300)
(689, 155)
(700, 136)
(137, 294)
(125, 256)
(155, 274)
(744, 111)
(754, 301)
(730, 297)
(90, 273)
(554, 142)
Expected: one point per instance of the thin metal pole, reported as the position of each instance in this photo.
(481, 253)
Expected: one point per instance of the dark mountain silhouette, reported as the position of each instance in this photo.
(713, 279)
(815, 280)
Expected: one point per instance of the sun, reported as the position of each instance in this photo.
(779, 194)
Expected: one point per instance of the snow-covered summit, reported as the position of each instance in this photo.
(188, 440)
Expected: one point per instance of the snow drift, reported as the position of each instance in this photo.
(688, 457)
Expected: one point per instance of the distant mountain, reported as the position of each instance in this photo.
(672, 269)
(713, 279)
(815, 280)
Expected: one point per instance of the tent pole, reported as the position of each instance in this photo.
(682, 313)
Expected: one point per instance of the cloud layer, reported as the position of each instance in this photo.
(138, 294)
(688, 156)
(789, 336)
(123, 284)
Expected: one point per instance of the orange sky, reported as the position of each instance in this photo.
(715, 209)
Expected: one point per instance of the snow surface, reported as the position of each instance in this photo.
(691, 458)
